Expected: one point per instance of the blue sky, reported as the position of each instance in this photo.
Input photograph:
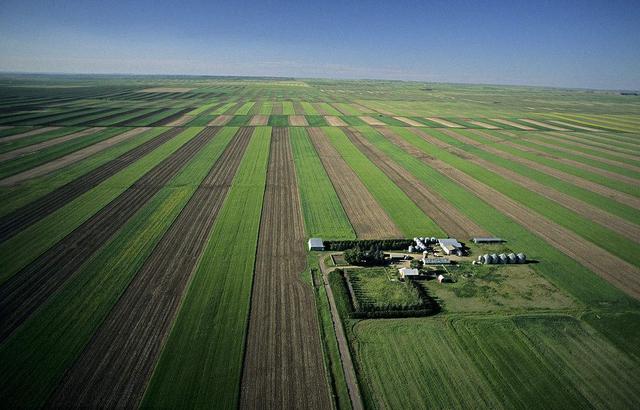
(590, 44)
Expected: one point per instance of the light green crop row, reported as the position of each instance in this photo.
(27, 245)
(600, 235)
(201, 363)
(40, 351)
(321, 207)
(410, 219)
(12, 198)
(561, 270)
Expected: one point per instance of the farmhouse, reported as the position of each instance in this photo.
(450, 246)
(406, 272)
(316, 244)
(488, 240)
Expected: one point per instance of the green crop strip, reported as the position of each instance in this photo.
(316, 120)
(578, 158)
(44, 347)
(329, 109)
(245, 108)
(12, 198)
(468, 358)
(13, 131)
(589, 176)
(308, 108)
(265, 108)
(287, 108)
(201, 363)
(27, 245)
(36, 158)
(321, 207)
(603, 237)
(34, 139)
(557, 267)
(202, 109)
(592, 198)
(278, 121)
(403, 211)
(579, 149)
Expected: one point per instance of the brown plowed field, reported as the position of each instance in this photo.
(452, 221)
(367, 217)
(484, 125)
(542, 124)
(221, 120)
(298, 120)
(276, 108)
(181, 121)
(371, 121)
(283, 366)
(297, 108)
(410, 122)
(48, 143)
(513, 124)
(115, 367)
(572, 179)
(71, 158)
(444, 122)
(593, 213)
(318, 107)
(611, 268)
(12, 223)
(29, 288)
(30, 133)
(335, 121)
(258, 119)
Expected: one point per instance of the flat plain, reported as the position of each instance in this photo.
(153, 237)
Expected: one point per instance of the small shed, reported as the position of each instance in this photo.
(407, 272)
(441, 278)
(316, 244)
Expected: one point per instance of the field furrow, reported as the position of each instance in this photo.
(368, 219)
(130, 339)
(284, 353)
(24, 291)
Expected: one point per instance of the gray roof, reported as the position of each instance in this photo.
(451, 242)
(316, 243)
(436, 261)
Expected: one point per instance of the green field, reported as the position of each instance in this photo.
(561, 331)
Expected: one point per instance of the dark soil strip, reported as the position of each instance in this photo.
(283, 366)
(28, 289)
(31, 213)
(170, 118)
(452, 221)
(137, 118)
(116, 365)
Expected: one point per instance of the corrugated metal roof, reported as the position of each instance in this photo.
(316, 243)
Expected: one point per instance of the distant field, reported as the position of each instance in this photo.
(153, 236)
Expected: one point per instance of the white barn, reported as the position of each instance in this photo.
(316, 244)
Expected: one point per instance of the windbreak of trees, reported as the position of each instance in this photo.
(383, 244)
(370, 257)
